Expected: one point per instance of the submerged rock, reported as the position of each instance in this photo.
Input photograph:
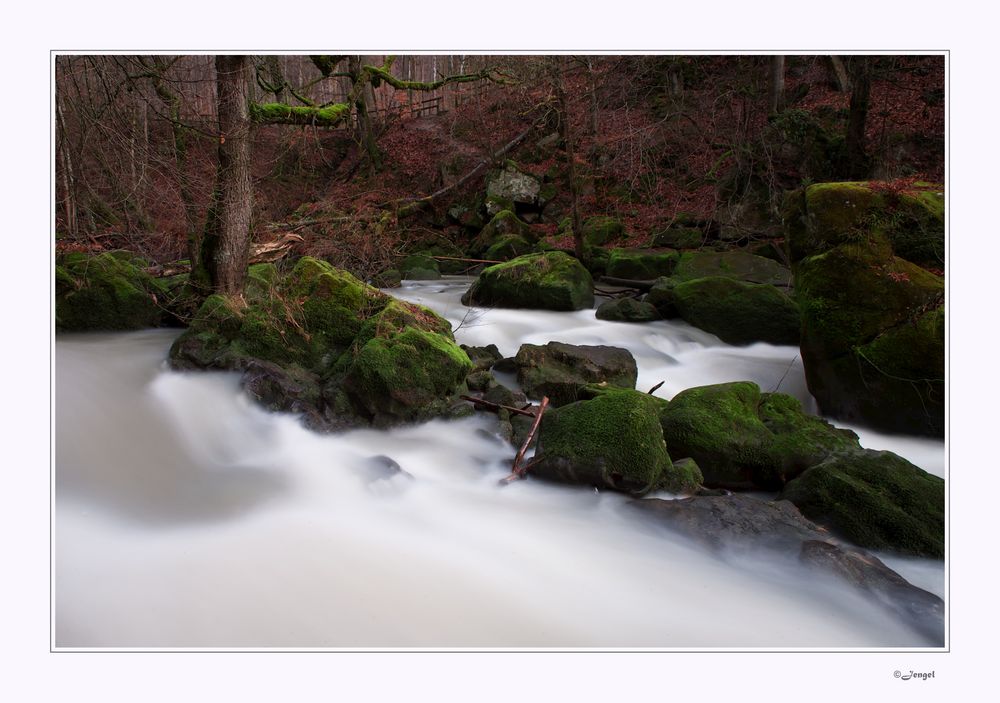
(746, 525)
(742, 438)
(875, 499)
(612, 440)
(561, 370)
(546, 281)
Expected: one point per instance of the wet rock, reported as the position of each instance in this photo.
(383, 468)
(482, 358)
(742, 438)
(626, 310)
(560, 370)
(875, 499)
(612, 440)
(744, 525)
(545, 281)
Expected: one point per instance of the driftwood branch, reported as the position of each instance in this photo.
(518, 471)
(496, 407)
(471, 261)
(655, 388)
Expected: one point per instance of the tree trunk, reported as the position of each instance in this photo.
(840, 74)
(366, 130)
(567, 134)
(857, 160)
(226, 245)
(776, 92)
(69, 181)
(275, 77)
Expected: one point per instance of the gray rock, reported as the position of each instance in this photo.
(559, 370)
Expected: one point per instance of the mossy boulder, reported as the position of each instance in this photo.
(545, 281)
(627, 310)
(601, 229)
(108, 291)
(614, 441)
(638, 264)
(679, 238)
(738, 313)
(320, 338)
(826, 215)
(873, 338)
(419, 267)
(875, 499)
(508, 247)
(742, 438)
(560, 371)
(504, 224)
(738, 265)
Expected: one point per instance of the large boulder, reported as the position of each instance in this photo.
(731, 264)
(875, 499)
(748, 526)
(823, 216)
(560, 371)
(680, 238)
(420, 267)
(639, 264)
(872, 312)
(108, 291)
(546, 281)
(873, 338)
(742, 438)
(612, 440)
(510, 187)
(738, 313)
(321, 342)
(601, 229)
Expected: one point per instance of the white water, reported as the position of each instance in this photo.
(188, 517)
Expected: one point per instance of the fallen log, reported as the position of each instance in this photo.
(471, 261)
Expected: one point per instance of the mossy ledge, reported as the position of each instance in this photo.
(329, 346)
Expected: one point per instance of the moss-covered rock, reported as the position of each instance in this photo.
(601, 229)
(612, 440)
(560, 371)
(738, 313)
(321, 342)
(108, 291)
(508, 247)
(873, 338)
(546, 281)
(826, 215)
(731, 264)
(627, 310)
(638, 264)
(504, 224)
(875, 499)
(419, 267)
(661, 297)
(742, 438)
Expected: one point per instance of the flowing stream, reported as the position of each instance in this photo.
(187, 517)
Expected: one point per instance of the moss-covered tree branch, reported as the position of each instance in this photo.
(383, 73)
(279, 113)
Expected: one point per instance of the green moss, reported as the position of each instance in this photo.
(875, 499)
(613, 441)
(504, 224)
(108, 291)
(279, 113)
(626, 310)
(641, 265)
(741, 438)
(679, 238)
(508, 247)
(549, 281)
(731, 264)
(602, 229)
(738, 313)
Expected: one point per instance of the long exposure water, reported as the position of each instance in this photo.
(188, 517)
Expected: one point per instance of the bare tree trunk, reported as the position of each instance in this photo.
(68, 179)
(776, 92)
(840, 74)
(857, 160)
(226, 246)
(567, 134)
(275, 77)
(360, 82)
(592, 76)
